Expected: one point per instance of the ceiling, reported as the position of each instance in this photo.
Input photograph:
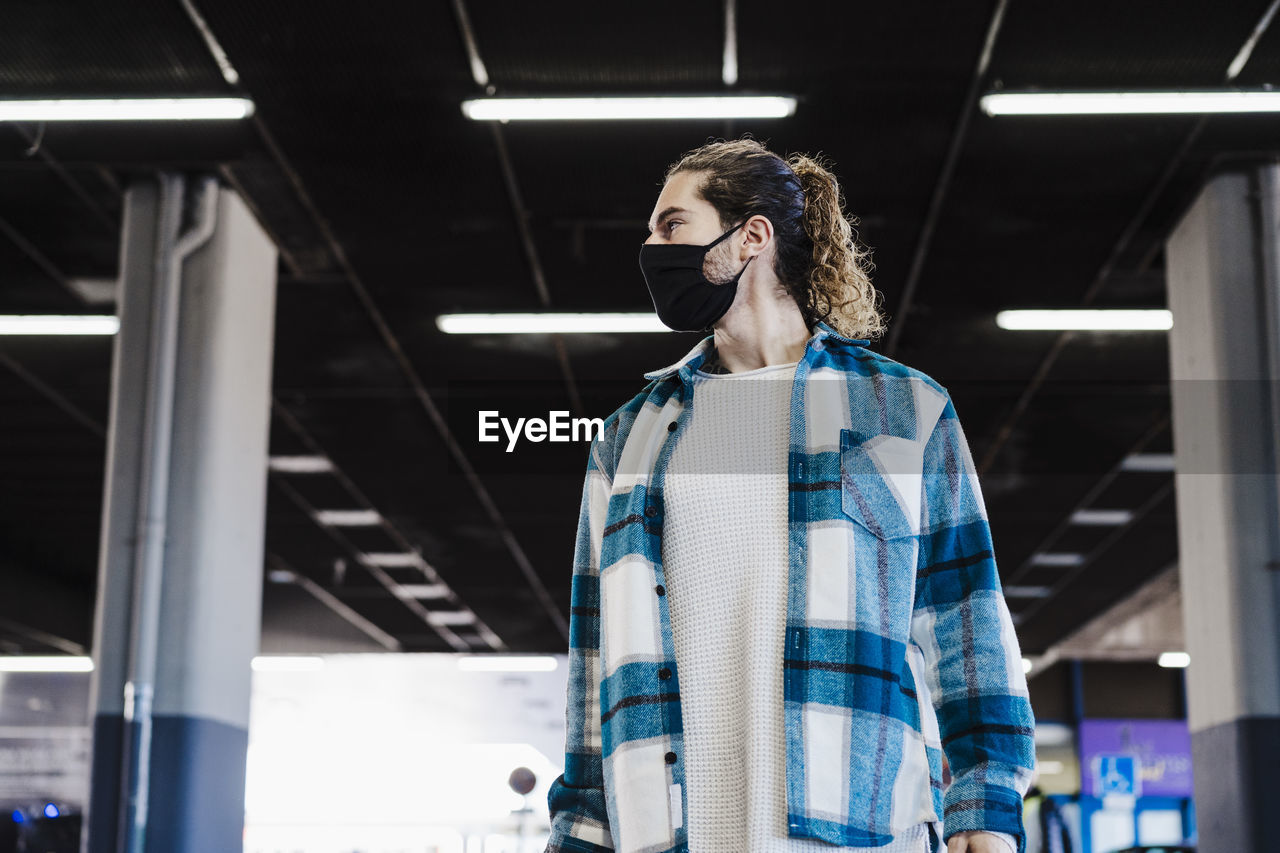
(389, 207)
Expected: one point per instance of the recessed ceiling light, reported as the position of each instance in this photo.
(507, 663)
(1087, 319)
(1056, 558)
(287, 663)
(525, 324)
(125, 109)
(1130, 103)
(56, 324)
(348, 517)
(1175, 660)
(394, 560)
(1026, 665)
(622, 108)
(1148, 462)
(1102, 517)
(1027, 591)
(51, 663)
(300, 464)
(412, 591)
(450, 617)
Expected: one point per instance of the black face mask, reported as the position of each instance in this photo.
(683, 297)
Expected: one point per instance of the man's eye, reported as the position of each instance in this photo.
(671, 226)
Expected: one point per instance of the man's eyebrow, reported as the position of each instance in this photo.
(664, 214)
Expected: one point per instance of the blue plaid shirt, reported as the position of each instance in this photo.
(898, 648)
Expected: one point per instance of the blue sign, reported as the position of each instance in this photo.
(1115, 774)
(1161, 748)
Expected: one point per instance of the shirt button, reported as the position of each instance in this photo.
(671, 758)
(664, 673)
(660, 589)
(671, 427)
(651, 510)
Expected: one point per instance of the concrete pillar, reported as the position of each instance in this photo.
(178, 608)
(1224, 348)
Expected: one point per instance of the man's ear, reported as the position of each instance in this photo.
(759, 232)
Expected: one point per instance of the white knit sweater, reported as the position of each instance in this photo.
(724, 551)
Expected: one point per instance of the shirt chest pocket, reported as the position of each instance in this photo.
(880, 482)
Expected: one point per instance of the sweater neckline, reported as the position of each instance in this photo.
(757, 371)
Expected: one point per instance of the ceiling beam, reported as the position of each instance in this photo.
(943, 184)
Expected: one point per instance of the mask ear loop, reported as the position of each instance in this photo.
(725, 235)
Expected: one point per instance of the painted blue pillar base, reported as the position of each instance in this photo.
(1235, 768)
(197, 785)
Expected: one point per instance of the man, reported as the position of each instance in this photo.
(785, 604)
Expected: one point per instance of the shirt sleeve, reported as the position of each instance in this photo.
(973, 664)
(576, 799)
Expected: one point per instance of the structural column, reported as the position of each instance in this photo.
(1224, 294)
(178, 607)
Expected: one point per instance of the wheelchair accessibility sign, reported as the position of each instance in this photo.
(1117, 777)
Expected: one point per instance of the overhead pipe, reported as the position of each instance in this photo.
(153, 493)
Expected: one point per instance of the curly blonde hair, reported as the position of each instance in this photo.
(819, 259)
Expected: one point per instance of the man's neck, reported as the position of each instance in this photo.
(753, 336)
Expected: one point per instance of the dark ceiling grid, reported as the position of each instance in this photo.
(1040, 375)
(78, 486)
(535, 264)
(99, 430)
(1108, 266)
(37, 257)
(42, 455)
(480, 75)
(58, 399)
(277, 564)
(483, 632)
(342, 539)
(35, 635)
(1180, 51)
(106, 219)
(1062, 579)
(428, 404)
(389, 584)
(943, 182)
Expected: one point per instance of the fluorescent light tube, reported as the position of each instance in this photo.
(1052, 558)
(125, 109)
(1174, 660)
(450, 617)
(671, 107)
(287, 663)
(1130, 103)
(546, 323)
(52, 663)
(1014, 591)
(507, 663)
(1090, 319)
(300, 464)
(395, 560)
(348, 517)
(1148, 462)
(56, 324)
(1102, 517)
(412, 591)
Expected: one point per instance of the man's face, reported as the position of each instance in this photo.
(680, 216)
